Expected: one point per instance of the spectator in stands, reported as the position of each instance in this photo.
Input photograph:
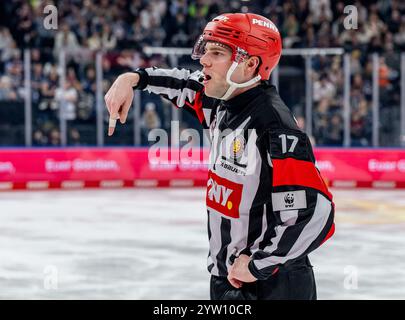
(54, 137)
(290, 30)
(361, 124)
(323, 88)
(65, 39)
(7, 47)
(72, 78)
(48, 87)
(7, 91)
(108, 39)
(25, 29)
(374, 27)
(89, 83)
(94, 42)
(150, 120)
(37, 78)
(383, 74)
(334, 132)
(74, 137)
(321, 120)
(67, 99)
(320, 10)
(39, 139)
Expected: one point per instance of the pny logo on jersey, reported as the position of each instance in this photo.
(223, 195)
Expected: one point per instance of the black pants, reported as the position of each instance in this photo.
(293, 282)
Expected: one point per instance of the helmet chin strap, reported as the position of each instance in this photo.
(233, 85)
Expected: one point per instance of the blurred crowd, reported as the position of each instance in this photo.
(121, 28)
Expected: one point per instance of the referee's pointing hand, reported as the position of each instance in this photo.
(119, 98)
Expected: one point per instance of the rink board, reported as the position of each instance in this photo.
(73, 168)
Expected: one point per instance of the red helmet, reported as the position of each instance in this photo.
(247, 34)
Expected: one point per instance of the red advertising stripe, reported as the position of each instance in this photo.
(290, 171)
(361, 165)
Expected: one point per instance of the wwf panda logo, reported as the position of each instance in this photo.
(289, 200)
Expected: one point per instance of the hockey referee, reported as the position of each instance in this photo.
(268, 206)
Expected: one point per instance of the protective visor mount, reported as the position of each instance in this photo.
(238, 56)
(199, 48)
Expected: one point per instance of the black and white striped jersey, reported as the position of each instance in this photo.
(265, 197)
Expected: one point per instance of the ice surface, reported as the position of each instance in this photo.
(152, 244)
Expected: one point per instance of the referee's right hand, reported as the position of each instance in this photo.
(119, 98)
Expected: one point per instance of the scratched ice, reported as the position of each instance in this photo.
(152, 244)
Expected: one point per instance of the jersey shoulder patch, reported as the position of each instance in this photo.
(289, 143)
